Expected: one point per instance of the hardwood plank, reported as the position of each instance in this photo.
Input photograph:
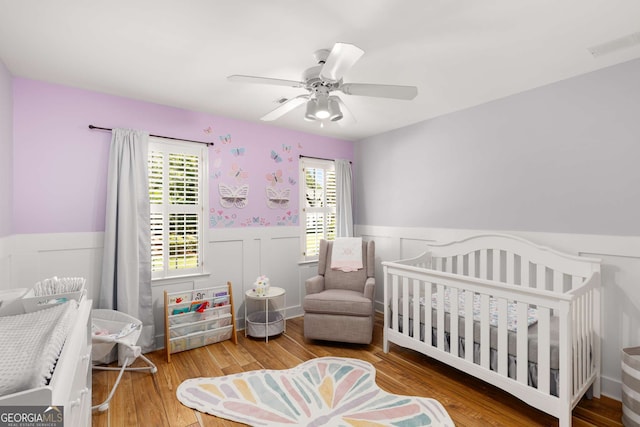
(168, 381)
(143, 399)
(149, 406)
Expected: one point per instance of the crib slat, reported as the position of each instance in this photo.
(558, 281)
(541, 276)
(524, 272)
(577, 338)
(496, 265)
(394, 303)
(581, 332)
(584, 334)
(484, 273)
(591, 321)
(450, 262)
(405, 306)
(416, 309)
(468, 326)
(503, 345)
(440, 317)
(485, 343)
(472, 264)
(460, 266)
(522, 344)
(428, 312)
(575, 349)
(543, 349)
(453, 317)
(511, 260)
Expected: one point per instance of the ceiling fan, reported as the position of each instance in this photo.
(323, 79)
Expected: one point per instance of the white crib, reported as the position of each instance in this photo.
(536, 316)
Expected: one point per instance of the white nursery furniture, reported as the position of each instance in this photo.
(69, 387)
(112, 328)
(536, 316)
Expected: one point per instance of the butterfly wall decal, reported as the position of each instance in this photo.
(225, 139)
(276, 157)
(278, 199)
(232, 196)
(274, 177)
(238, 151)
(238, 173)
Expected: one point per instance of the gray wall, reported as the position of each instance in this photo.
(6, 151)
(560, 158)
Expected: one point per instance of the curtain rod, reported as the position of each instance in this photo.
(157, 136)
(318, 158)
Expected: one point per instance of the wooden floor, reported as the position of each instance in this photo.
(143, 399)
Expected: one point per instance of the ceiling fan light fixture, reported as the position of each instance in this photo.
(334, 109)
(322, 108)
(311, 110)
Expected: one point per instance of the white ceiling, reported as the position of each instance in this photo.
(459, 53)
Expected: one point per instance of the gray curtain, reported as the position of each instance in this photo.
(344, 197)
(126, 265)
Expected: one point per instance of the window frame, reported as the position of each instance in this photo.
(200, 209)
(327, 165)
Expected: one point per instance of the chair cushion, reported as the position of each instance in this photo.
(338, 301)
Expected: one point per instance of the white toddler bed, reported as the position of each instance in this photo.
(535, 311)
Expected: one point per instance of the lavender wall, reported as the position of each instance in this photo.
(60, 165)
(560, 158)
(6, 150)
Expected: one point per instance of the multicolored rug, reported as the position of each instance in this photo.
(330, 391)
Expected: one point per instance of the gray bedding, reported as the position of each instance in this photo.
(511, 338)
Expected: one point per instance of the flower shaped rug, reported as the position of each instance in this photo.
(330, 391)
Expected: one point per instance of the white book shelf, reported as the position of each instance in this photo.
(198, 317)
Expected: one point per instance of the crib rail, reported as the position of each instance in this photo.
(510, 259)
(498, 277)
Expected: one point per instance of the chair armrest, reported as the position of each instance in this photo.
(370, 288)
(314, 284)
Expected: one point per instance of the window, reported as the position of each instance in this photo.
(177, 195)
(318, 204)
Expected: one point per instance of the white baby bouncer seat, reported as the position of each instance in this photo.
(111, 328)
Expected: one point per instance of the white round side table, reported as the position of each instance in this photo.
(270, 317)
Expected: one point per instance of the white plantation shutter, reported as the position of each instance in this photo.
(318, 199)
(176, 193)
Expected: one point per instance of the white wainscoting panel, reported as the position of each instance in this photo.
(238, 255)
(35, 257)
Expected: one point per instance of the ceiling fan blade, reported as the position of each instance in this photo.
(237, 78)
(284, 108)
(382, 91)
(340, 60)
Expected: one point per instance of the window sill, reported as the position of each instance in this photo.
(162, 280)
(307, 262)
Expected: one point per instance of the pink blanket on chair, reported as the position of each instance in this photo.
(346, 254)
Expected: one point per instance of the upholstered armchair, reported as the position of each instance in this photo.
(339, 305)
